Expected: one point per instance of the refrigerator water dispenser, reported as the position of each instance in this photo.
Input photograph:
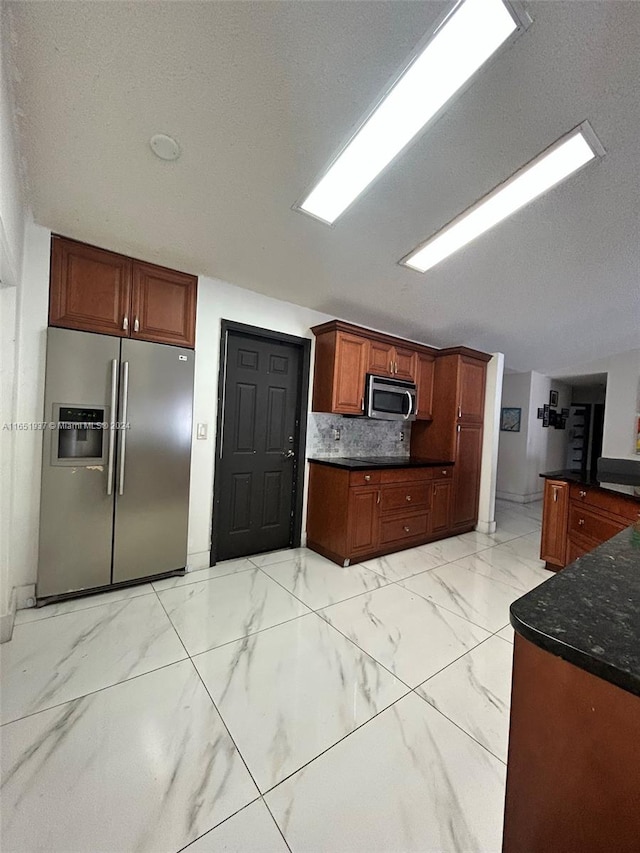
(79, 435)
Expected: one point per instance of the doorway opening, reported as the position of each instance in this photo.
(263, 389)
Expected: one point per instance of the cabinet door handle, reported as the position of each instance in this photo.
(408, 497)
(390, 366)
(125, 323)
(396, 366)
(362, 403)
(406, 528)
(378, 498)
(367, 477)
(459, 412)
(458, 427)
(136, 325)
(555, 494)
(444, 473)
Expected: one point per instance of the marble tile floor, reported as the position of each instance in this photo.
(273, 703)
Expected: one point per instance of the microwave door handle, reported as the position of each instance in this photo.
(410, 412)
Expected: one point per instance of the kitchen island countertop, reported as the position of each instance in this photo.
(589, 613)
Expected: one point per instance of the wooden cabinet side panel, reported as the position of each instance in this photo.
(555, 516)
(327, 508)
(90, 288)
(164, 305)
(349, 374)
(573, 772)
(424, 382)
(467, 475)
(324, 368)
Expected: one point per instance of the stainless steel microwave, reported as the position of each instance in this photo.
(390, 399)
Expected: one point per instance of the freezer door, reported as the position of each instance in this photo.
(152, 482)
(76, 509)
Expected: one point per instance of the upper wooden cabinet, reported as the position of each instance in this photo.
(98, 291)
(90, 288)
(346, 353)
(163, 305)
(388, 360)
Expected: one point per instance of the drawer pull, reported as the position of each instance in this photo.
(581, 522)
(408, 497)
(406, 528)
(582, 493)
(367, 477)
(445, 473)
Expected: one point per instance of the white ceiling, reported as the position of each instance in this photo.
(262, 95)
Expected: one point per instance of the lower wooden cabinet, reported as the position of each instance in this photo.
(468, 456)
(576, 518)
(356, 515)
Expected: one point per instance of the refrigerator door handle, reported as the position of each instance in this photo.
(111, 427)
(123, 424)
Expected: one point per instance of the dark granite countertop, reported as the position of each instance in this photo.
(589, 613)
(377, 462)
(620, 485)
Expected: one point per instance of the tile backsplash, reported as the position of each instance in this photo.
(358, 436)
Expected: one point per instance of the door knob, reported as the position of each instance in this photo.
(288, 454)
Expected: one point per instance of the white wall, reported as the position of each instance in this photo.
(622, 402)
(524, 455)
(12, 206)
(12, 228)
(512, 448)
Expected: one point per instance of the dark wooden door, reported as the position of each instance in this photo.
(256, 487)
(90, 288)
(467, 475)
(163, 305)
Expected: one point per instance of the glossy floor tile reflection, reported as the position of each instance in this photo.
(274, 703)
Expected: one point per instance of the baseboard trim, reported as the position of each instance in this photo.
(199, 560)
(519, 499)
(7, 619)
(486, 527)
(25, 596)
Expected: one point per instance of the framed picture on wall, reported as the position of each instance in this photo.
(546, 415)
(540, 413)
(510, 420)
(553, 398)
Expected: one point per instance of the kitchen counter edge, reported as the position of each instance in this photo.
(367, 465)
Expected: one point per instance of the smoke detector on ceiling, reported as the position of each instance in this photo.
(164, 147)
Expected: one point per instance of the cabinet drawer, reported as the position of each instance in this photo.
(615, 504)
(578, 547)
(404, 527)
(584, 522)
(405, 497)
(407, 475)
(364, 478)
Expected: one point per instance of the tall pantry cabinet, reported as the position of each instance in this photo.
(455, 432)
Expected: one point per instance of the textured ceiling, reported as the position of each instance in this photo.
(262, 95)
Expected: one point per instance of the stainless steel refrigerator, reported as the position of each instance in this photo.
(114, 501)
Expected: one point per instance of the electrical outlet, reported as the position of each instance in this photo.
(336, 434)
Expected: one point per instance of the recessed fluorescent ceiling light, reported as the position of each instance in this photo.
(464, 42)
(556, 163)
